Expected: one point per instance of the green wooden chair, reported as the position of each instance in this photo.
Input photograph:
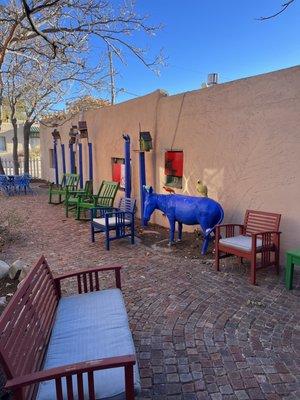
(292, 259)
(104, 198)
(72, 196)
(68, 182)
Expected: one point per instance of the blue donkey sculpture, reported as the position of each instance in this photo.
(189, 210)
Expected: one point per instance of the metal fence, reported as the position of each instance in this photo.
(34, 167)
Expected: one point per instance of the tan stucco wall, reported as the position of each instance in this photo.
(241, 138)
(8, 133)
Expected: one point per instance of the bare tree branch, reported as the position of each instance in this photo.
(28, 12)
(284, 6)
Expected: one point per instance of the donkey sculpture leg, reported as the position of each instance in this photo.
(205, 244)
(172, 230)
(179, 231)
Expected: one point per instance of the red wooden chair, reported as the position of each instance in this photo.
(259, 234)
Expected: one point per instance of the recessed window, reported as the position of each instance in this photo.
(2, 143)
(51, 158)
(174, 168)
(118, 171)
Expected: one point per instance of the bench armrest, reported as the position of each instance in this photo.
(99, 211)
(88, 280)
(269, 238)
(78, 369)
(229, 230)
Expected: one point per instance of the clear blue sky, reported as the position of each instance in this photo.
(213, 36)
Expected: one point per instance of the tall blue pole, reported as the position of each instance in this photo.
(72, 161)
(80, 165)
(55, 161)
(127, 166)
(90, 161)
(142, 183)
(63, 157)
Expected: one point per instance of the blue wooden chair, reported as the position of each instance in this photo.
(22, 183)
(120, 220)
(5, 185)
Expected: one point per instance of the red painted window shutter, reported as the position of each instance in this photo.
(174, 163)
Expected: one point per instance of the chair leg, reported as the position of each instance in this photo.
(50, 197)
(92, 233)
(217, 259)
(67, 209)
(107, 238)
(132, 235)
(289, 270)
(78, 212)
(253, 268)
(241, 260)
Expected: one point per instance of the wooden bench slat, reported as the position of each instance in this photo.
(80, 387)
(58, 387)
(91, 386)
(70, 387)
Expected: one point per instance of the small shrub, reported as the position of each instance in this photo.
(9, 222)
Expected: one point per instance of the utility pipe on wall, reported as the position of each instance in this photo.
(90, 147)
(80, 165)
(72, 159)
(127, 166)
(63, 157)
(55, 160)
(142, 183)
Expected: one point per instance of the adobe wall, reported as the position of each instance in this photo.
(241, 138)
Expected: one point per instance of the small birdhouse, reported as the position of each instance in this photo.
(82, 126)
(55, 134)
(145, 141)
(73, 131)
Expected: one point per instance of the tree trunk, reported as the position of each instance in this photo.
(26, 133)
(2, 172)
(1, 101)
(15, 146)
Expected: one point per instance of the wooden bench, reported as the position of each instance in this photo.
(259, 234)
(39, 329)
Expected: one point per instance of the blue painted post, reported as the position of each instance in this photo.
(72, 161)
(127, 166)
(63, 157)
(142, 183)
(55, 161)
(80, 165)
(90, 161)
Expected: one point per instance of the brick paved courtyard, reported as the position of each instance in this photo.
(198, 334)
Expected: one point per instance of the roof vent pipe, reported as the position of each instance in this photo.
(212, 79)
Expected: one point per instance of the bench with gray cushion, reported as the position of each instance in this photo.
(258, 235)
(74, 347)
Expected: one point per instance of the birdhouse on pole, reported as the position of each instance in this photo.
(145, 141)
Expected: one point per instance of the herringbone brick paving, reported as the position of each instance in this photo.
(198, 334)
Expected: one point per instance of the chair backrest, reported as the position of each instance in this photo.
(107, 193)
(127, 204)
(26, 323)
(260, 221)
(88, 187)
(70, 180)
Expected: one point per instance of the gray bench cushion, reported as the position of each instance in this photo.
(241, 242)
(87, 327)
(111, 221)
